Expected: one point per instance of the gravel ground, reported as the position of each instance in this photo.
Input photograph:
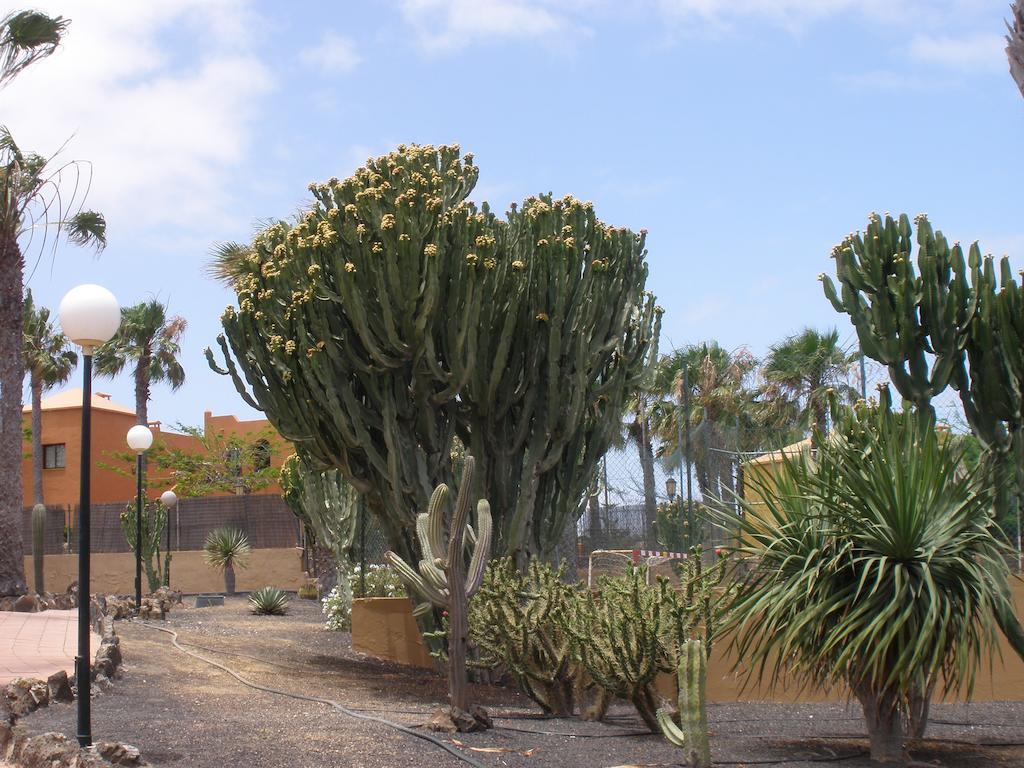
(182, 712)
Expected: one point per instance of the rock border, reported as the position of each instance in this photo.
(24, 696)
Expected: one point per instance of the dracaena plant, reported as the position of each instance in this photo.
(874, 565)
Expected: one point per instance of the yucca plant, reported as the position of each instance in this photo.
(226, 548)
(875, 565)
(269, 601)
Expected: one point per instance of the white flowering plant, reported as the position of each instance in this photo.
(381, 581)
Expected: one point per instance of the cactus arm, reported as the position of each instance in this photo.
(481, 548)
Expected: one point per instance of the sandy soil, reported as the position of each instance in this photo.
(182, 712)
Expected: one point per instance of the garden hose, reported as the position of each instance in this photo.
(363, 714)
(302, 697)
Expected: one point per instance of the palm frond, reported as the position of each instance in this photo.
(1015, 44)
(26, 37)
(87, 228)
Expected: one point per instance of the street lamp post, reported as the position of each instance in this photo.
(89, 316)
(670, 488)
(139, 439)
(168, 499)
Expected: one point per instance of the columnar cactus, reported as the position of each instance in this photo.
(394, 314)
(38, 534)
(691, 733)
(516, 624)
(442, 579)
(324, 502)
(949, 322)
(153, 526)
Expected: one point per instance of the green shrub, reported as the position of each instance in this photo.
(225, 548)
(269, 601)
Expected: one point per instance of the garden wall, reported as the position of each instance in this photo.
(385, 628)
(114, 572)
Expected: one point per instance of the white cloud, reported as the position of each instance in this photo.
(452, 24)
(333, 54)
(163, 131)
(979, 52)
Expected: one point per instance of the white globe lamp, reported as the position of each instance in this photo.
(89, 315)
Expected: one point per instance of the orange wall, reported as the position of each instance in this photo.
(109, 432)
(60, 486)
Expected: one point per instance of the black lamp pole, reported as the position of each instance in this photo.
(138, 531)
(83, 677)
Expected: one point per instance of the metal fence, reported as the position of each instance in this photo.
(264, 518)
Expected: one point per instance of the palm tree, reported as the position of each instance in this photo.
(26, 37)
(150, 339)
(1015, 44)
(803, 368)
(49, 361)
(723, 412)
(31, 204)
(877, 566)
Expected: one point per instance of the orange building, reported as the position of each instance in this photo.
(61, 437)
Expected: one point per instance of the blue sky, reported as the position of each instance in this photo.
(747, 136)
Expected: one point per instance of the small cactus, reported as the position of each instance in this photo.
(692, 731)
(38, 532)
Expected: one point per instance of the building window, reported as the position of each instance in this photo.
(261, 455)
(53, 456)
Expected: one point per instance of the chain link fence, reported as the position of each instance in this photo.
(264, 518)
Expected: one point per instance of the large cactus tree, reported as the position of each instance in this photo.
(394, 314)
(949, 321)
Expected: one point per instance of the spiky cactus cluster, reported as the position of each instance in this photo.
(516, 622)
(442, 579)
(395, 314)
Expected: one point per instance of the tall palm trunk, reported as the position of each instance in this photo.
(646, 451)
(142, 398)
(37, 437)
(12, 376)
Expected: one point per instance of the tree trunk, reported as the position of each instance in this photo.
(918, 706)
(229, 579)
(37, 438)
(142, 398)
(12, 377)
(883, 722)
(647, 707)
(647, 467)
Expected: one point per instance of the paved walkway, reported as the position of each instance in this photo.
(38, 644)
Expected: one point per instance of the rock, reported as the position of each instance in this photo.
(480, 714)
(88, 759)
(117, 753)
(27, 604)
(12, 737)
(6, 603)
(64, 602)
(452, 719)
(6, 734)
(46, 750)
(24, 696)
(441, 720)
(60, 687)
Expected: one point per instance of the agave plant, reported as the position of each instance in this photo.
(876, 565)
(226, 548)
(269, 601)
